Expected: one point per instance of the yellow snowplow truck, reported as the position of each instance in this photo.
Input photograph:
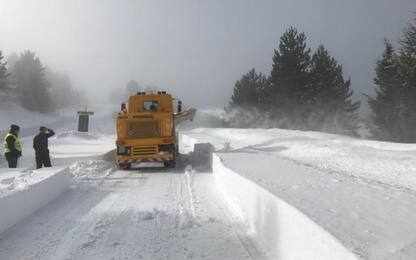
(146, 129)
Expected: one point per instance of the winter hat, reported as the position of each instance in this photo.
(42, 128)
(14, 128)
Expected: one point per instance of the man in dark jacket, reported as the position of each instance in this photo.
(40, 144)
(11, 146)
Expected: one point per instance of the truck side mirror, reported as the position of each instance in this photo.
(179, 106)
(123, 107)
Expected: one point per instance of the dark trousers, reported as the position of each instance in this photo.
(12, 160)
(42, 158)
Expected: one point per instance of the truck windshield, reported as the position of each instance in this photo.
(150, 105)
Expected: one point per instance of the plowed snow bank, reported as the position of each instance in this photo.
(366, 213)
(284, 231)
(22, 193)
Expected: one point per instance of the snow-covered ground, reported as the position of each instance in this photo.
(390, 163)
(68, 145)
(131, 215)
(25, 190)
(280, 227)
(149, 213)
(21, 194)
(73, 144)
(12, 113)
(273, 194)
(14, 180)
(361, 192)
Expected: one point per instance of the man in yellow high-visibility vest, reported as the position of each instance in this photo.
(11, 146)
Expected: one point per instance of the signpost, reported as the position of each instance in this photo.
(83, 119)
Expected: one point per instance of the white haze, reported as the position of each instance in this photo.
(194, 49)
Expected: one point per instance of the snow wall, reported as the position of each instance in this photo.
(20, 204)
(282, 230)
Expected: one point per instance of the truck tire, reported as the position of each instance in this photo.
(124, 166)
(170, 164)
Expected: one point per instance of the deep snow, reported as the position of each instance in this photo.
(13, 180)
(283, 230)
(329, 179)
(131, 215)
(390, 163)
(27, 192)
(351, 195)
(108, 214)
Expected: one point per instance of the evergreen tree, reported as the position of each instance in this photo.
(32, 88)
(4, 82)
(61, 91)
(330, 106)
(387, 106)
(408, 41)
(394, 107)
(11, 60)
(407, 73)
(301, 92)
(289, 91)
(247, 102)
(248, 91)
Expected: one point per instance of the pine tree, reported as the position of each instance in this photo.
(32, 87)
(247, 102)
(407, 73)
(394, 107)
(330, 105)
(289, 91)
(408, 41)
(4, 81)
(11, 60)
(60, 88)
(248, 90)
(387, 106)
(61, 91)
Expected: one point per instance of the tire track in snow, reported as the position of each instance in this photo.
(129, 215)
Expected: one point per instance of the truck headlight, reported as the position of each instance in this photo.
(123, 150)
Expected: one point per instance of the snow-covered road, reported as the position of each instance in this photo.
(132, 215)
(274, 193)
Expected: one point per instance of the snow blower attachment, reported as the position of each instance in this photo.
(146, 129)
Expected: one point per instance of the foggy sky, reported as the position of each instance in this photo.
(194, 49)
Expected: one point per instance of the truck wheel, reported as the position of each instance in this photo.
(124, 166)
(169, 164)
